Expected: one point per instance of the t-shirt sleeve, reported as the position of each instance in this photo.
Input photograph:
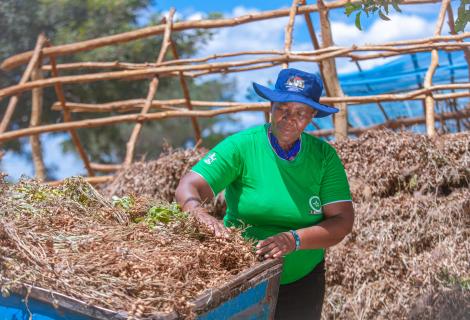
(334, 186)
(220, 166)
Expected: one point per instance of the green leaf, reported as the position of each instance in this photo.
(385, 6)
(358, 21)
(383, 16)
(463, 17)
(164, 213)
(348, 9)
(395, 5)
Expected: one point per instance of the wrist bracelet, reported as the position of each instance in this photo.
(191, 199)
(296, 238)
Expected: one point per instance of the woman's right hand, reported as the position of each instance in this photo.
(212, 223)
(192, 191)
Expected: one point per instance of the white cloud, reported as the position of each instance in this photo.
(400, 27)
(269, 35)
(196, 16)
(69, 165)
(259, 35)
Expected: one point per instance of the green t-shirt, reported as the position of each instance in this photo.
(272, 195)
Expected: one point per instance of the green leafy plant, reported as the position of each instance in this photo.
(371, 7)
(126, 202)
(382, 8)
(164, 213)
(463, 16)
(451, 280)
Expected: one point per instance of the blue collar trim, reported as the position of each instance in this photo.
(286, 155)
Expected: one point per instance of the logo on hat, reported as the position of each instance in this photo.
(295, 83)
(315, 204)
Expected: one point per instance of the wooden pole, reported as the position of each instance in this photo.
(25, 77)
(429, 100)
(132, 74)
(90, 180)
(98, 122)
(151, 92)
(68, 118)
(173, 70)
(93, 123)
(174, 104)
(67, 49)
(397, 123)
(137, 104)
(397, 47)
(187, 98)
(289, 29)
(316, 47)
(36, 111)
(381, 107)
(106, 167)
(331, 75)
(311, 30)
(450, 21)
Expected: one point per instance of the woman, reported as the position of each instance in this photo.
(288, 187)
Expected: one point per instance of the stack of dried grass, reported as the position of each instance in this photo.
(72, 240)
(159, 178)
(383, 163)
(409, 254)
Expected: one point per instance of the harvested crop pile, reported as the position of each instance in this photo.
(133, 254)
(159, 178)
(401, 249)
(408, 256)
(383, 163)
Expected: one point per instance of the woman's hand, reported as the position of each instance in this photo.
(212, 223)
(276, 246)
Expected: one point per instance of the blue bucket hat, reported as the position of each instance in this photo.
(294, 85)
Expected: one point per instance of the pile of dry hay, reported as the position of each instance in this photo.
(408, 256)
(383, 163)
(133, 253)
(159, 178)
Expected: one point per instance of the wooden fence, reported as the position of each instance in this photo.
(323, 53)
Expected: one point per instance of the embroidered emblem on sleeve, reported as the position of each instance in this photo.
(210, 158)
(315, 205)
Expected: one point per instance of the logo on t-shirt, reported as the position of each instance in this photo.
(210, 158)
(315, 204)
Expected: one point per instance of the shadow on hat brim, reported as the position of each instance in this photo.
(283, 96)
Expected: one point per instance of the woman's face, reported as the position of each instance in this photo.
(289, 120)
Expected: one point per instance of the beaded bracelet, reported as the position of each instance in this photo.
(296, 238)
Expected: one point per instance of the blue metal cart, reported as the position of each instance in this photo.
(251, 295)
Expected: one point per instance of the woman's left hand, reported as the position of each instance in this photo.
(276, 246)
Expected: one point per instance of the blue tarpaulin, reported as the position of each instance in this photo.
(401, 75)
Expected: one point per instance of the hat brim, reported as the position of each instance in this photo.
(282, 96)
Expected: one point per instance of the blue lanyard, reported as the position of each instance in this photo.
(290, 154)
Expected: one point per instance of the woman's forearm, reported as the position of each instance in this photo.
(192, 191)
(325, 234)
(188, 197)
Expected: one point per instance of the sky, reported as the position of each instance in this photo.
(415, 21)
